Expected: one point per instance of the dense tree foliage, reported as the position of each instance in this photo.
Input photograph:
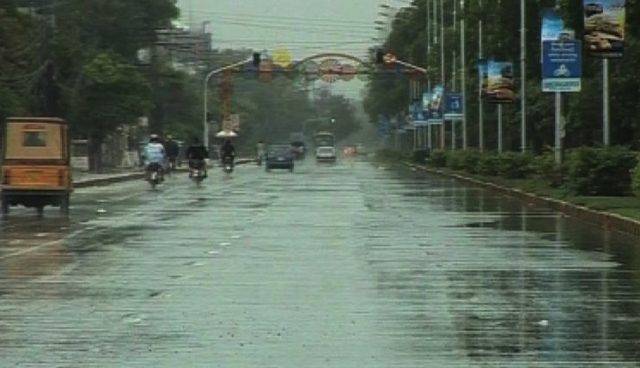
(501, 22)
(80, 60)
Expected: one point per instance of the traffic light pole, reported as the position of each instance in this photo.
(205, 123)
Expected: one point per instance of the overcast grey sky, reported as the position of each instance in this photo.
(305, 27)
(302, 26)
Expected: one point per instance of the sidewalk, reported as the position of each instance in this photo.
(84, 179)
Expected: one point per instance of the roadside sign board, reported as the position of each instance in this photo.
(436, 106)
(418, 117)
(561, 66)
(500, 82)
(604, 27)
(453, 106)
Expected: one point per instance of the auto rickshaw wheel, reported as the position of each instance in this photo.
(5, 204)
(64, 204)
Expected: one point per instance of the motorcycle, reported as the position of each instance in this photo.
(155, 175)
(260, 159)
(227, 164)
(197, 171)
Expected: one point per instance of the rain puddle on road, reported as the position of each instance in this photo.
(335, 266)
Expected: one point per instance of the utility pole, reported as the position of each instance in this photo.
(500, 144)
(558, 129)
(463, 79)
(443, 137)
(480, 107)
(523, 76)
(428, 25)
(606, 109)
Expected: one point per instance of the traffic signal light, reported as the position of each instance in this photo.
(257, 59)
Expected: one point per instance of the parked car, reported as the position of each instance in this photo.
(279, 157)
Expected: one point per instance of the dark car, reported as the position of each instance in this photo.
(279, 157)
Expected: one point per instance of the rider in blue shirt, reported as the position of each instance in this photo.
(154, 155)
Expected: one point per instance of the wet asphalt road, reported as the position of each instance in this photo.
(333, 266)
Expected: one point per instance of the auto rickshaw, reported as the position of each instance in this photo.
(36, 168)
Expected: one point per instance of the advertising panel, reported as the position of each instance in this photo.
(436, 105)
(604, 24)
(453, 106)
(500, 83)
(561, 66)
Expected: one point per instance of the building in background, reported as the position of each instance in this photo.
(187, 49)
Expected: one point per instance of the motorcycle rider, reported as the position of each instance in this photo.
(227, 151)
(260, 151)
(154, 156)
(173, 150)
(196, 154)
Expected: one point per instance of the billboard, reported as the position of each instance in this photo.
(604, 23)
(561, 66)
(416, 112)
(500, 82)
(436, 105)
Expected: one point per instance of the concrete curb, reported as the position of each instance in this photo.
(112, 179)
(606, 220)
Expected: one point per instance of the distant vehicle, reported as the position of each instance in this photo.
(36, 168)
(592, 9)
(326, 154)
(349, 151)
(279, 157)
(324, 139)
(299, 150)
(325, 147)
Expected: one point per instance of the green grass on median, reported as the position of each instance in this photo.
(627, 206)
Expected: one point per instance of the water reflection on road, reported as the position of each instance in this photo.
(335, 266)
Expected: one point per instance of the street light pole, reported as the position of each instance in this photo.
(442, 72)
(480, 107)
(205, 123)
(606, 110)
(428, 25)
(523, 76)
(463, 78)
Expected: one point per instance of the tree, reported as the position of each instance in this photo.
(111, 94)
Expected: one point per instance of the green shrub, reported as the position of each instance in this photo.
(515, 165)
(438, 158)
(545, 167)
(389, 155)
(464, 160)
(489, 164)
(635, 180)
(601, 171)
(420, 156)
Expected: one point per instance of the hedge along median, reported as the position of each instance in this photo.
(594, 184)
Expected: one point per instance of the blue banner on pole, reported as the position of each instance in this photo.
(417, 114)
(436, 106)
(453, 106)
(561, 66)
